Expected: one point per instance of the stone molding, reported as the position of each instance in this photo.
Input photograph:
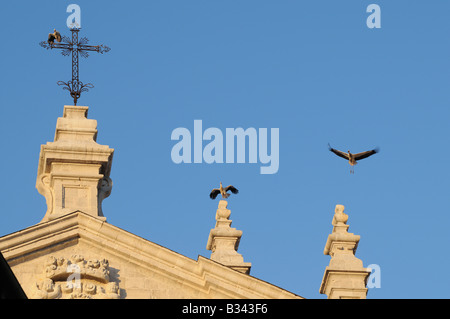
(208, 278)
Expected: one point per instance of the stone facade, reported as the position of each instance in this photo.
(74, 253)
(41, 257)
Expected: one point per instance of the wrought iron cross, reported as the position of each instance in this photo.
(75, 47)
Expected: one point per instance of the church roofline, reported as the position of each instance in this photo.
(200, 274)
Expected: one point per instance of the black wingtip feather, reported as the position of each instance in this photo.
(214, 194)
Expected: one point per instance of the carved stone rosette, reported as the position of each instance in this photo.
(76, 278)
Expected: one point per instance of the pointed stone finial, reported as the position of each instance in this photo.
(73, 171)
(345, 277)
(224, 241)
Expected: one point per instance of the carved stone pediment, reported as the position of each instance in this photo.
(76, 278)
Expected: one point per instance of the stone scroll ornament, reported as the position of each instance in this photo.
(76, 278)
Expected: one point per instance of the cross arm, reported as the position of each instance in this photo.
(97, 48)
(64, 46)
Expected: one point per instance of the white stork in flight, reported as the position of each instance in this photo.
(223, 191)
(352, 158)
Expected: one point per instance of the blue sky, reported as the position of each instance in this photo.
(313, 69)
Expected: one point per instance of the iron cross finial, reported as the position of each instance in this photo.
(75, 47)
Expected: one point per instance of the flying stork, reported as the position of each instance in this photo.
(352, 158)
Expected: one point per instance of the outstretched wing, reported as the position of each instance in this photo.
(232, 189)
(338, 153)
(214, 193)
(360, 156)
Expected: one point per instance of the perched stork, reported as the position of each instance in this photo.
(54, 36)
(223, 191)
(352, 158)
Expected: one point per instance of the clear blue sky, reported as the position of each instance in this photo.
(311, 68)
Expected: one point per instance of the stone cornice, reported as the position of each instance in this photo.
(203, 275)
